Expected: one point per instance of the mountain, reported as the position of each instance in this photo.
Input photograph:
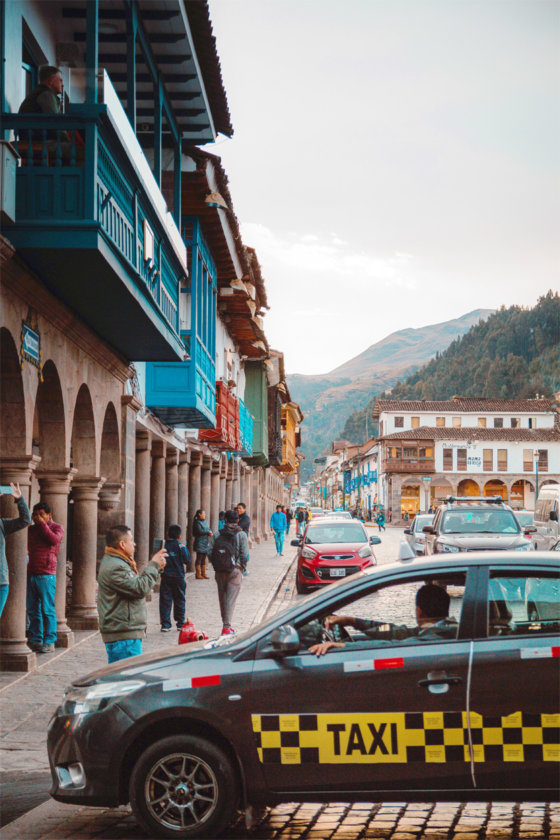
(328, 399)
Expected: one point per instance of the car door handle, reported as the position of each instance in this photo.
(443, 680)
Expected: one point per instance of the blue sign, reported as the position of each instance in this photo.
(31, 344)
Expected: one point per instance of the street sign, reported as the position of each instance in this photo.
(426, 478)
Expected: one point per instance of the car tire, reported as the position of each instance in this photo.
(165, 782)
(301, 588)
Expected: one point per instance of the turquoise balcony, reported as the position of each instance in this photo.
(93, 224)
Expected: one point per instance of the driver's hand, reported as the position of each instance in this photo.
(333, 620)
(323, 647)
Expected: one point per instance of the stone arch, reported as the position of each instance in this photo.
(49, 431)
(522, 493)
(411, 496)
(468, 487)
(548, 481)
(84, 455)
(439, 490)
(495, 487)
(110, 446)
(13, 432)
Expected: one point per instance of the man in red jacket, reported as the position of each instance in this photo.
(43, 543)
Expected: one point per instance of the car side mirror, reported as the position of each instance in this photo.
(428, 529)
(553, 516)
(284, 640)
(408, 531)
(374, 540)
(296, 543)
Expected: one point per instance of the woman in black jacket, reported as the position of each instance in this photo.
(201, 543)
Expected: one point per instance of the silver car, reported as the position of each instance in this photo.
(414, 534)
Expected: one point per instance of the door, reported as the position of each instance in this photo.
(385, 712)
(515, 691)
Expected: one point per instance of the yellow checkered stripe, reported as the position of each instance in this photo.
(403, 737)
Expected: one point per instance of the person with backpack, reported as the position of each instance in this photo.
(229, 555)
(173, 587)
(300, 521)
(201, 543)
(278, 525)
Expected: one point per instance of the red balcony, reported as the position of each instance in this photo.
(226, 435)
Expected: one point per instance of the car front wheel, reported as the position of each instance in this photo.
(183, 787)
(301, 588)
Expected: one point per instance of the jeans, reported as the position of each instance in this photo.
(123, 649)
(172, 593)
(4, 587)
(42, 614)
(279, 540)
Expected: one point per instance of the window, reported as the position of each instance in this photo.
(528, 460)
(426, 452)
(415, 422)
(482, 422)
(488, 460)
(461, 459)
(395, 452)
(440, 422)
(523, 604)
(456, 422)
(502, 460)
(399, 422)
(498, 422)
(515, 423)
(447, 459)
(532, 423)
(410, 452)
(543, 460)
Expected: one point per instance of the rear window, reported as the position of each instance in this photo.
(479, 521)
(340, 532)
(420, 521)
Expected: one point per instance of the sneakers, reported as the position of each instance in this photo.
(166, 629)
(46, 648)
(227, 631)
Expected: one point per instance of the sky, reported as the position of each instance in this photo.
(395, 163)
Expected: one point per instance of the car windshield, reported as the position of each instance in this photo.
(336, 532)
(421, 520)
(479, 521)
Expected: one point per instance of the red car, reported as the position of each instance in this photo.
(330, 550)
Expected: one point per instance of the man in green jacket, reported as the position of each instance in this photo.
(121, 597)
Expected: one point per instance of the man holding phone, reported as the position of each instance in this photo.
(121, 599)
(9, 526)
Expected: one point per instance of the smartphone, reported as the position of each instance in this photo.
(5, 488)
(158, 545)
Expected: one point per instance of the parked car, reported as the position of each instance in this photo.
(330, 549)
(316, 512)
(547, 531)
(414, 534)
(341, 514)
(474, 523)
(466, 709)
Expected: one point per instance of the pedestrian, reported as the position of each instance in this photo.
(10, 526)
(279, 525)
(43, 543)
(221, 519)
(389, 515)
(245, 525)
(289, 517)
(300, 521)
(201, 541)
(173, 587)
(380, 520)
(121, 596)
(232, 543)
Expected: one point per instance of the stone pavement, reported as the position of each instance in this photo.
(27, 703)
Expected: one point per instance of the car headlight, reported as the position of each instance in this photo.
(308, 554)
(522, 548)
(446, 548)
(94, 698)
(365, 551)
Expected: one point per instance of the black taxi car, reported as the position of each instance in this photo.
(465, 706)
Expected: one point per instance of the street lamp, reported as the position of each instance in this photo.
(536, 454)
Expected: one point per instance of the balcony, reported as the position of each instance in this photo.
(226, 435)
(92, 223)
(409, 465)
(246, 430)
(256, 399)
(289, 459)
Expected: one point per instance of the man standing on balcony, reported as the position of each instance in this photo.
(44, 99)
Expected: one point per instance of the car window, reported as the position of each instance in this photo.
(387, 614)
(479, 522)
(524, 519)
(523, 604)
(420, 521)
(336, 532)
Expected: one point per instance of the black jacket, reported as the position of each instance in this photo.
(178, 559)
(245, 522)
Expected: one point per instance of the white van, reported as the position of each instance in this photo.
(546, 517)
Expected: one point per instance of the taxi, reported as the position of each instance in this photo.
(426, 679)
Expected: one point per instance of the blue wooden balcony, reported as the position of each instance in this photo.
(92, 223)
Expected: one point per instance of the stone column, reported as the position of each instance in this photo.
(54, 487)
(82, 614)
(172, 489)
(14, 653)
(183, 492)
(223, 473)
(205, 488)
(235, 490)
(157, 493)
(249, 499)
(142, 498)
(229, 486)
(242, 483)
(125, 513)
(215, 497)
(254, 503)
(194, 489)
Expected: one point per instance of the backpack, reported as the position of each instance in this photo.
(224, 551)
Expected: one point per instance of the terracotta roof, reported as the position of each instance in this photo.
(475, 433)
(464, 404)
(198, 14)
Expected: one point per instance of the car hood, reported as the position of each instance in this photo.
(484, 542)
